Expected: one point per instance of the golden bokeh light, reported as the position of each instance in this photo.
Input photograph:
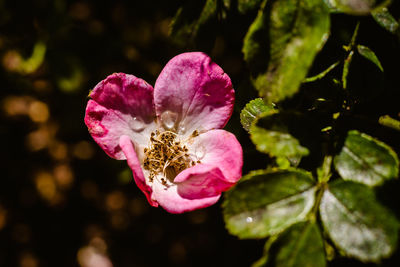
(98, 243)
(115, 201)
(12, 60)
(42, 86)
(64, 176)
(45, 185)
(58, 150)
(93, 231)
(16, 105)
(91, 257)
(83, 150)
(131, 53)
(38, 139)
(41, 138)
(95, 253)
(38, 111)
(28, 260)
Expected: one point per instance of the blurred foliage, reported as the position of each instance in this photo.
(287, 36)
(323, 70)
(370, 55)
(385, 19)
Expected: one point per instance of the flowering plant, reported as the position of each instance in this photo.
(170, 135)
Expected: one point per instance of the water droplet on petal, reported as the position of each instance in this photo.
(249, 220)
(168, 119)
(182, 129)
(200, 152)
(136, 124)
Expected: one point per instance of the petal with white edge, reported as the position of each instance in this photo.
(121, 105)
(192, 92)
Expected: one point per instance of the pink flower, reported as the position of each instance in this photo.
(170, 135)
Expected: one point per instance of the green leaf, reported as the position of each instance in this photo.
(366, 160)
(385, 19)
(277, 143)
(346, 67)
(194, 23)
(256, 41)
(349, 48)
(252, 110)
(358, 225)
(370, 55)
(267, 203)
(388, 121)
(356, 7)
(277, 134)
(245, 6)
(301, 245)
(263, 260)
(322, 74)
(287, 36)
(32, 63)
(324, 172)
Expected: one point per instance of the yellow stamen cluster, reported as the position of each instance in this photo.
(166, 155)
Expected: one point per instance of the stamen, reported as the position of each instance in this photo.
(195, 133)
(167, 156)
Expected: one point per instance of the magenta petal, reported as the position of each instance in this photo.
(121, 105)
(173, 202)
(220, 148)
(201, 181)
(196, 90)
(133, 162)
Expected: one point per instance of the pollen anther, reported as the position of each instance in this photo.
(167, 156)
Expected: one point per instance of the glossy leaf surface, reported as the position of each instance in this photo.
(385, 19)
(267, 203)
(357, 223)
(354, 7)
(366, 160)
(300, 245)
(278, 134)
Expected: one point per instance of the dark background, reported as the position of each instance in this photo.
(62, 197)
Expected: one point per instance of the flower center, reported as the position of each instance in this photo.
(167, 155)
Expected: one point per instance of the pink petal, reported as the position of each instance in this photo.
(201, 185)
(201, 181)
(220, 148)
(121, 105)
(196, 91)
(173, 202)
(133, 162)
